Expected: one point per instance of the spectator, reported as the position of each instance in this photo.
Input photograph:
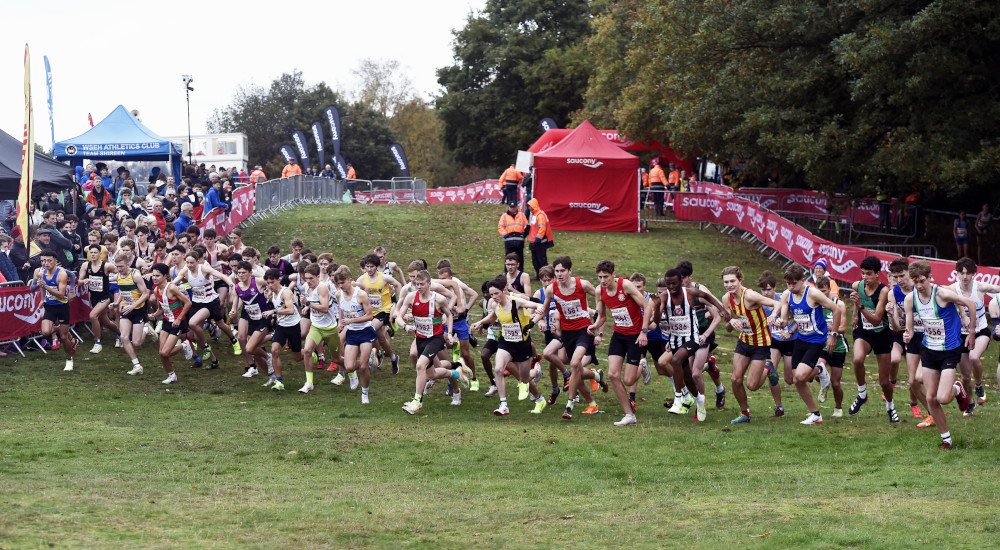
(99, 197)
(7, 267)
(291, 169)
(34, 215)
(539, 236)
(19, 255)
(75, 204)
(513, 227)
(257, 176)
(327, 172)
(657, 185)
(984, 223)
(161, 220)
(127, 183)
(185, 219)
(242, 177)
(51, 238)
(51, 202)
(8, 215)
(76, 243)
(509, 181)
(351, 174)
(213, 198)
(132, 209)
(961, 233)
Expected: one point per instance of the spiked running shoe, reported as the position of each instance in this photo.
(741, 419)
(591, 409)
(927, 422)
(720, 399)
(855, 407)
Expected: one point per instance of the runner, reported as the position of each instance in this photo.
(517, 280)
(389, 268)
(871, 332)
(286, 330)
(493, 343)
(514, 353)
(782, 344)
(94, 274)
(380, 288)
(431, 314)
(249, 298)
(295, 256)
(448, 289)
(703, 360)
(940, 354)
(236, 245)
(54, 280)
(833, 359)
(899, 269)
(356, 314)
(133, 295)
(173, 305)
(217, 256)
(812, 334)
(323, 324)
(746, 308)
(577, 338)
(545, 276)
(463, 353)
(631, 324)
(684, 338)
(971, 364)
(205, 306)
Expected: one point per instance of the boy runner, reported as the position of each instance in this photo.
(871, 332)
(833, 359)
(899, 270)
(972, 356)
(286, 330)
(133, 296)
(356, 314)
(54, 280)
(94, 273)
(173, 304)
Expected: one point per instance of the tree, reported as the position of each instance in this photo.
(269, 116)
(419, 132)
(889, 93)
(384, 86)
(515, 63)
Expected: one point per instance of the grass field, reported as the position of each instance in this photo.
(98, 459)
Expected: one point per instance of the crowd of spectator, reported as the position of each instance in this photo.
(105, 205)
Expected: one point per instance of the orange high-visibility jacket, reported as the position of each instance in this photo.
(511, 228)
(291, 170)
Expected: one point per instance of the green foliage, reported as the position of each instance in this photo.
(419, 131)
(892, 93)
(515, 63)
(268, 116)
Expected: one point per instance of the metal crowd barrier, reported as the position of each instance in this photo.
(278, 195)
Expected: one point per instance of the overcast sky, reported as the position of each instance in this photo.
(133, 53)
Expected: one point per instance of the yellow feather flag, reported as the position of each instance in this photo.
(27, 153)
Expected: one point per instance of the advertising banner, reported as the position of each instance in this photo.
(244, 203)
(303, 148)
(21, 310)
(332, 116)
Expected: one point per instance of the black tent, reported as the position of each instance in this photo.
(50, 174)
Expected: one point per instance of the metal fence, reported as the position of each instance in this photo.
(277, 195)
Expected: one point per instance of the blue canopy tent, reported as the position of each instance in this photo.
(120, 136)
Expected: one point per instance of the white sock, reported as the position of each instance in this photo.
(720, 389)
(863, 391)
(889, 405)
(135, 361)
(678, 395)
(700, 399)
(364, 391)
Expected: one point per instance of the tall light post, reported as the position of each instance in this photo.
(188, 79)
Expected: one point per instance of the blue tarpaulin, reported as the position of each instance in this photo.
(120, 136)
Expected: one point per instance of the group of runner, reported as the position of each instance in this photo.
(186, 291)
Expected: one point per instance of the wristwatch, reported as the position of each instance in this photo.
(645, 330)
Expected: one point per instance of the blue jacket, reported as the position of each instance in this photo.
(212, 201)
(182, 223)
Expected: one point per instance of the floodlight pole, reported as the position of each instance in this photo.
(187, 92)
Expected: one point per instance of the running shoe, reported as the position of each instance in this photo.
(720, 399)
(491, 391)
(321, 365)
(373, 360)
(72, 349)
(823, 393)
(915, 410)
(118, 341)
(55, 345)
(961, 396)
(502, 410)
(568, 413)
(171, 378)
(713, 369)
(627, 420)
(448, 392)
(893, 417)
(251, 372)
(824, 377)
(838, 413)
(594, 385)
(927, 422)
(741, 419)
(537, 367)
(464, 375)
(135, 370)
(395, 364)
(206, 353)
(855, 407)
(237, 350)
(277, 386)
(539, 406)
(412, 407)
(813, 418)
(981, 398)
(522, 391)
(197, 364)
(353, 379)
(700, 413)
(601, 382)
(778, 412)
(364, 399)
(591, 409)
(473, 385)
(69, 364)
(473, 341)
(772, 374)
(554, 396)
(214, 331)
(668, 402)
(271, 380)
(97, 348)
(688, 401)
(647, 376)
(677, 407)
(380, 357)
(945, 445)
(456, 398)
(188, 352)
(306, 388)
(339, 379)
(968, 412)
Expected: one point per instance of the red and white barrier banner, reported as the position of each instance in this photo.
(473, 192)
(805, 201)
(21, 310)
(244, 204)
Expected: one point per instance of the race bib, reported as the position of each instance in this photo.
(961, 232)
(127, 299)
(621, 317)
(745, 325)
(425, 326)
(865, 323)
(680, 325)
(664, 325)
(512, 332)
(375, 300)
(805, 323)
(96, 285)
(253, 311)
(198, 293)
(571, 309)
(918, 323)
(934, 332)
